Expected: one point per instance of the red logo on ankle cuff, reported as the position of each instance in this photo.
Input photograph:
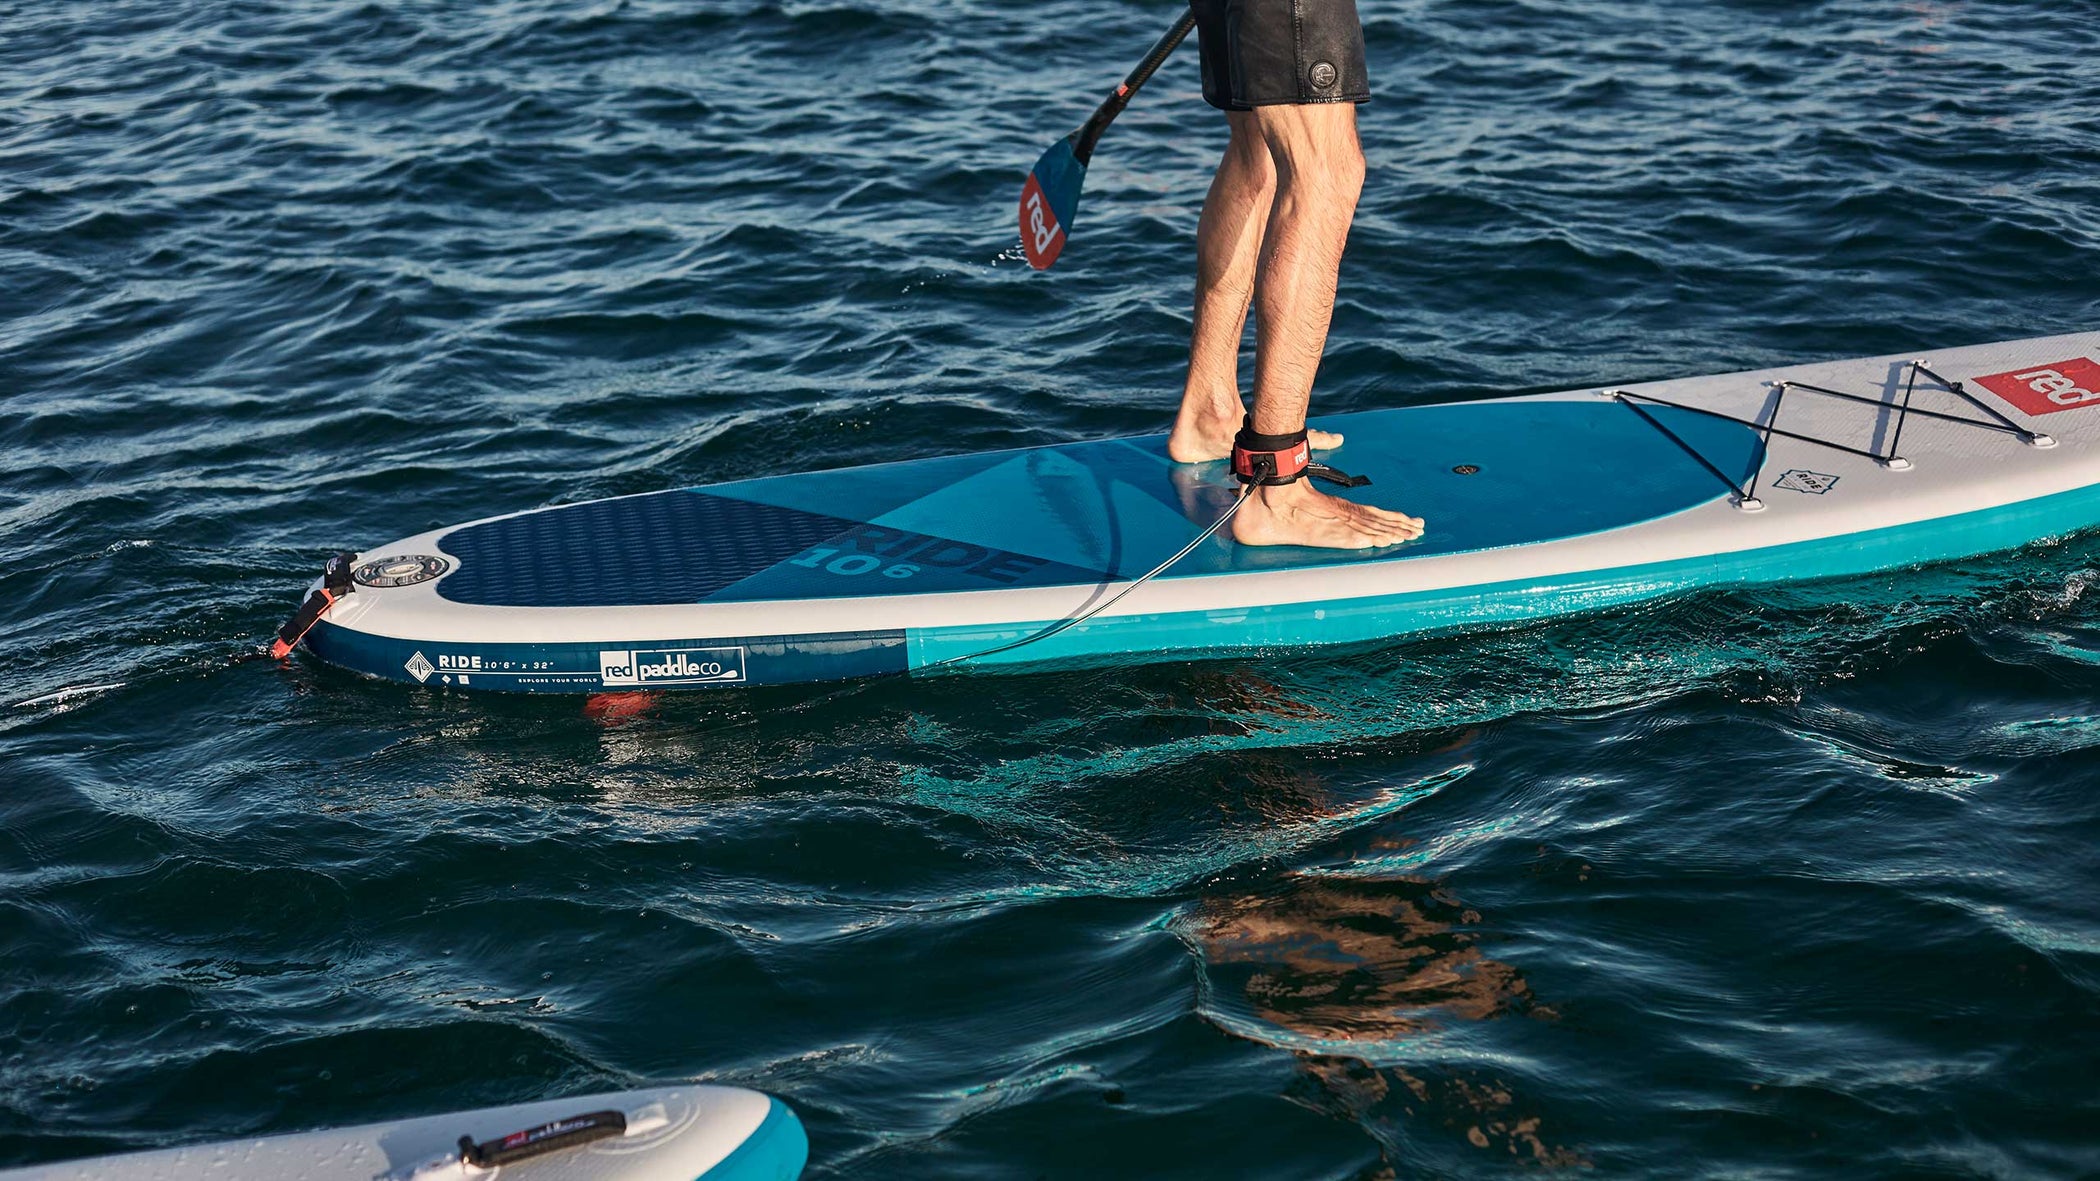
(1280, 463)
(2046, 389)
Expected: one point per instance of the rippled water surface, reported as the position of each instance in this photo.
(1804, 882)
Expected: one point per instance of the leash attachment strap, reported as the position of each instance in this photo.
(335, 583)
(539, 1141)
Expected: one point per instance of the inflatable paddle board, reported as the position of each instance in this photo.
(1536, 506)
(666, 1134)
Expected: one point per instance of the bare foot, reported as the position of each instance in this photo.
(1295, 514)
(1204, 432)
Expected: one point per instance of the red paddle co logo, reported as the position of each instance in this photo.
(2046, 389)
(1042, 239)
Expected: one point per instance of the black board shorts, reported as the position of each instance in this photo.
(1259, 53)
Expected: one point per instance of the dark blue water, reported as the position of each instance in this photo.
(1800, 883)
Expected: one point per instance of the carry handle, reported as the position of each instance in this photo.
(546, 1138)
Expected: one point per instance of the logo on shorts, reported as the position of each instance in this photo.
(671, 666)
(1322, 74)
(2046, 389)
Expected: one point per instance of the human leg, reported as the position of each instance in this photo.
(1228, 247)
(1319, 171)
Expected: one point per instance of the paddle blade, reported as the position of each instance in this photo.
(1049, 201)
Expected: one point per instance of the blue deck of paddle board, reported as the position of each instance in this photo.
(1082, 513)
(550, 667)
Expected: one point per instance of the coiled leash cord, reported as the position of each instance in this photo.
(1257, 461)
(1098, 608)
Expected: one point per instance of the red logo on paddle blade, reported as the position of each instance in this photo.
(2046, 389)
(1042, 239)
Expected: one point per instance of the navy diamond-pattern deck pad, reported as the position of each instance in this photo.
(667, 547)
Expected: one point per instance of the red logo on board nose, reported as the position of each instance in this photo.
(2046, 389)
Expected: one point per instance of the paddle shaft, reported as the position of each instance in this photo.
(1089, 134)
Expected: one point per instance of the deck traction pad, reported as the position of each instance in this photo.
(666, 547)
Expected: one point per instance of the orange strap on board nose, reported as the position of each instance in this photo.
(335, 583)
